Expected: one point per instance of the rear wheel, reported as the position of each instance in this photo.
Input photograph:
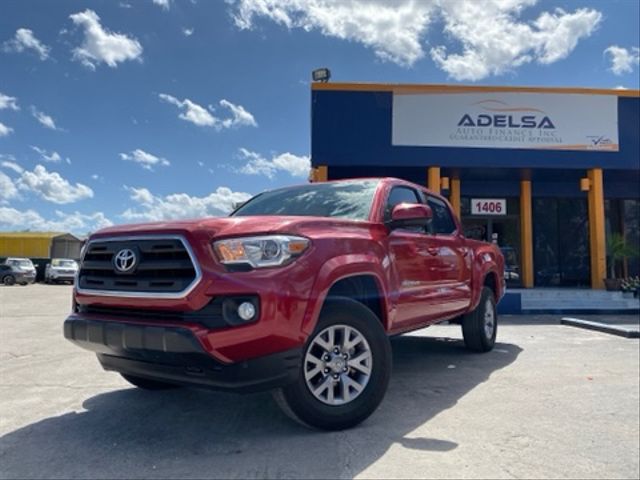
(345, 370)
(479, 328)
(9, 280)
(147, 384)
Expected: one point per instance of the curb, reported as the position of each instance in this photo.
(579, 311)
(600, 327)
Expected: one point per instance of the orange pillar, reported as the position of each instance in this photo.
(597, 243)
(319, 174)
(433, 179)
(526, 235)
(454, 195)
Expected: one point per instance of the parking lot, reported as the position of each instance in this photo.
(549, 401)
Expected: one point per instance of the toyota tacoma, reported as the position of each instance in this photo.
(297, 291)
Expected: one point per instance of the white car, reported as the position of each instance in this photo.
(61, 270)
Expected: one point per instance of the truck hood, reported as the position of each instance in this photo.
(229, 226)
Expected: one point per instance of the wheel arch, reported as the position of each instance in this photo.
(491, 281)
(361, 282)
(363, 289)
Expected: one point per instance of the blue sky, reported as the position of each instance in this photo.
(136, 110)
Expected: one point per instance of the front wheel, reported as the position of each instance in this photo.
(345, 369)
(480, 327)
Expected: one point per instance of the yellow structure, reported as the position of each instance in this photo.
(526, 234)
(454, 195)
(319, 174)
(39, 245)
(596, 228)
(26, 244)
(433, 179)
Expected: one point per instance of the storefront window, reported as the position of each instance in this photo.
(623, 216)
(561, 242)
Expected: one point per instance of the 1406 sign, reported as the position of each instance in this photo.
(488, 206)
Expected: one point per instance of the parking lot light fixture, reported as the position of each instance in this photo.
(321, 75)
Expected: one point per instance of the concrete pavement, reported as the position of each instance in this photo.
(549, 402)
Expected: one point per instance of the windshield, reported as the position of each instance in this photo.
(63, 263)
(20, 263)
(350, 199)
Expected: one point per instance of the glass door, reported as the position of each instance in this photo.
(503, 231)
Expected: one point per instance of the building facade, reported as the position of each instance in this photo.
(547, 173)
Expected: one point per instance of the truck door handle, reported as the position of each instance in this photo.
(433, 250)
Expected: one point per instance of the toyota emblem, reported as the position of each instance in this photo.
(125, 260)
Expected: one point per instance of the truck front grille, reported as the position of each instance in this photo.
(155, 266)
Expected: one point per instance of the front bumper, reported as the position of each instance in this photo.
(173, 354)
(26, 278)
(62, 278)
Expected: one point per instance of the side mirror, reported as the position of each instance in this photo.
(410, 215)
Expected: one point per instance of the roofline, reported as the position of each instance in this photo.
(408, 88)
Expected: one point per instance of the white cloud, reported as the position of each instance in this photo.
(8, 102)
(144, 159)
(191, 112)
(164, 4)
(294, 165)
(151, 207)
(12, 166)
(101, 45)
(13, 219)
(52, 187)
(43, 118)
(394, 30)
(494, 41)
(623, 60)
(239, 116)
(187, 32)
(24, 39)
(198, 115)
(493, 37)
(53, 157)
(8, 189)
(5, 130)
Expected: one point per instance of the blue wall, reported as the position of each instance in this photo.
(353, 128)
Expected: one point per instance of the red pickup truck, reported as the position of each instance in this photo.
(297, 291)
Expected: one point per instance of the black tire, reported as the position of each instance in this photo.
(147, 384)
(476, 336)
(9, 280)
(297, 400)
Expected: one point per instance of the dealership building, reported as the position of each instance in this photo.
(547, 173)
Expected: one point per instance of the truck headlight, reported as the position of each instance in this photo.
(263, 251)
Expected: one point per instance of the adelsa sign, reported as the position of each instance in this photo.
(506, 120)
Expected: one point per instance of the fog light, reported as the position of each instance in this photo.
(246, 311)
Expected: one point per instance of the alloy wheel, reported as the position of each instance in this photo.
(337, 365)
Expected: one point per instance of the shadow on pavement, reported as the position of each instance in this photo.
(194, 434)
